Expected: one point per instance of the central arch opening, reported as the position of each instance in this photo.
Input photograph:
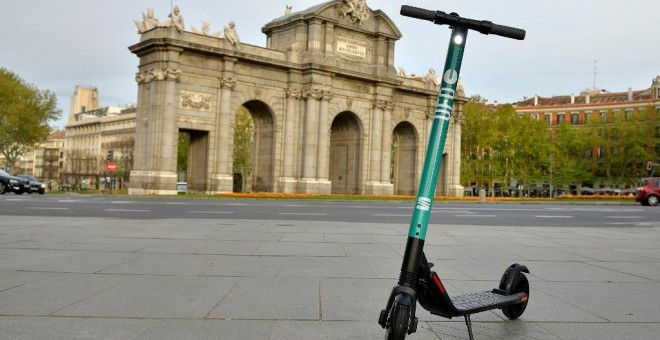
(345, 148)
(404, 155)
(254, 148)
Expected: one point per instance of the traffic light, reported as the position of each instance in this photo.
(111, 155)
(649, 166)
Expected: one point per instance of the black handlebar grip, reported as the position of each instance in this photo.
(508, 32)
(416, 12)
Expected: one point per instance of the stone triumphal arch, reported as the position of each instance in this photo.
(331, 113)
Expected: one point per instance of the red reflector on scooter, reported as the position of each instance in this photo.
(523, 298)
(436, 279)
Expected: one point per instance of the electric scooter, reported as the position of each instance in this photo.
(417, 282)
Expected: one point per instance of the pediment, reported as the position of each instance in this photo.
(366, 20)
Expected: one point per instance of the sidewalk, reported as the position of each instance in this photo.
(101, 278)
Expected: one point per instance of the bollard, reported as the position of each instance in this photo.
(482, 196)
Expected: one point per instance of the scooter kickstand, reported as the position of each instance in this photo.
(468, 322)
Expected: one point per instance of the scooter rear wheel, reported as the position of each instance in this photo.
(520, 285)
(397, 326)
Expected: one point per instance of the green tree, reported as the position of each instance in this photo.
(243, 140)
(182, 151)
(646, 123)
(25, 114)
(475, 139)
(522, 147)
(571, 152)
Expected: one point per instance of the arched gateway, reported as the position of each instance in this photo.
(331, 114)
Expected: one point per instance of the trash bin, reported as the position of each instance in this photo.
(181, 188)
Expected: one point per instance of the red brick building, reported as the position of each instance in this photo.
(578, 109)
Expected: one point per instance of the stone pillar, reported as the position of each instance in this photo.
(386, 147)
(455, 187)
(376, 140)
(308, 184)
(288, 183)
(375, 151)
(156, 174)
(223, 178)
(323, 158)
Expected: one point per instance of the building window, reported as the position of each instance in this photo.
(603, 116)
(560, 118)
(588, 115)
(575, 118)
(534, 116)
(547, 118)
(629, 114)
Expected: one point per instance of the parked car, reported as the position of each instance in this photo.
(16, 185)
(649, 192)
(35, 185)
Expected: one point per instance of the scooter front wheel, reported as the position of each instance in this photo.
(397, 326)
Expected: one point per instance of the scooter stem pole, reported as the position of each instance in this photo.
(429, 179)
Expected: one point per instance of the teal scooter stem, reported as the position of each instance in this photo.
(416, 280)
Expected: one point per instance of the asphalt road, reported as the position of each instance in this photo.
(494, 214)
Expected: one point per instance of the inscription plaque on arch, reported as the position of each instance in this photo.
(352, 47)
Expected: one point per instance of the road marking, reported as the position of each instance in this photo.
(475, 215)
(623, 216)
(304, 214)
(553, 216)
(46, 208)
(126, 210)
(177, 203)
(15, 199)
(391, 215)
(67, 201)
(209, 212)
(122, 202)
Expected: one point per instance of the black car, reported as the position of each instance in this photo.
(35, 185)
(9, 183)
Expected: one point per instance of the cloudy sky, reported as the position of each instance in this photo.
(57, 45)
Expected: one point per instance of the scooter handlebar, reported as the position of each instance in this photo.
(508, 32)
(483, 26)
(417, 13)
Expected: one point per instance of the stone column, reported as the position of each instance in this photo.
(376, 140)
(223, 179)
(386, 147)
(455, 187)
(323, 169)
(156, 173)
(288, 184)
(310, 141)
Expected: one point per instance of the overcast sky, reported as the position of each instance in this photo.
(58, 44)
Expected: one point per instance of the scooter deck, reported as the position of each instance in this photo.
(434, 298)
(478, 302)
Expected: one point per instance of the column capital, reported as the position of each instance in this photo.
(313, 94)
(327, 95)
(293, 93)
(457, 116)
(147, 76)
(227, 82)
(383, 105)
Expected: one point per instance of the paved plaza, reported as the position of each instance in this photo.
(100, 278)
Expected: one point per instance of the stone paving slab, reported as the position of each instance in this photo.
(155, 297)
(95, 278)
